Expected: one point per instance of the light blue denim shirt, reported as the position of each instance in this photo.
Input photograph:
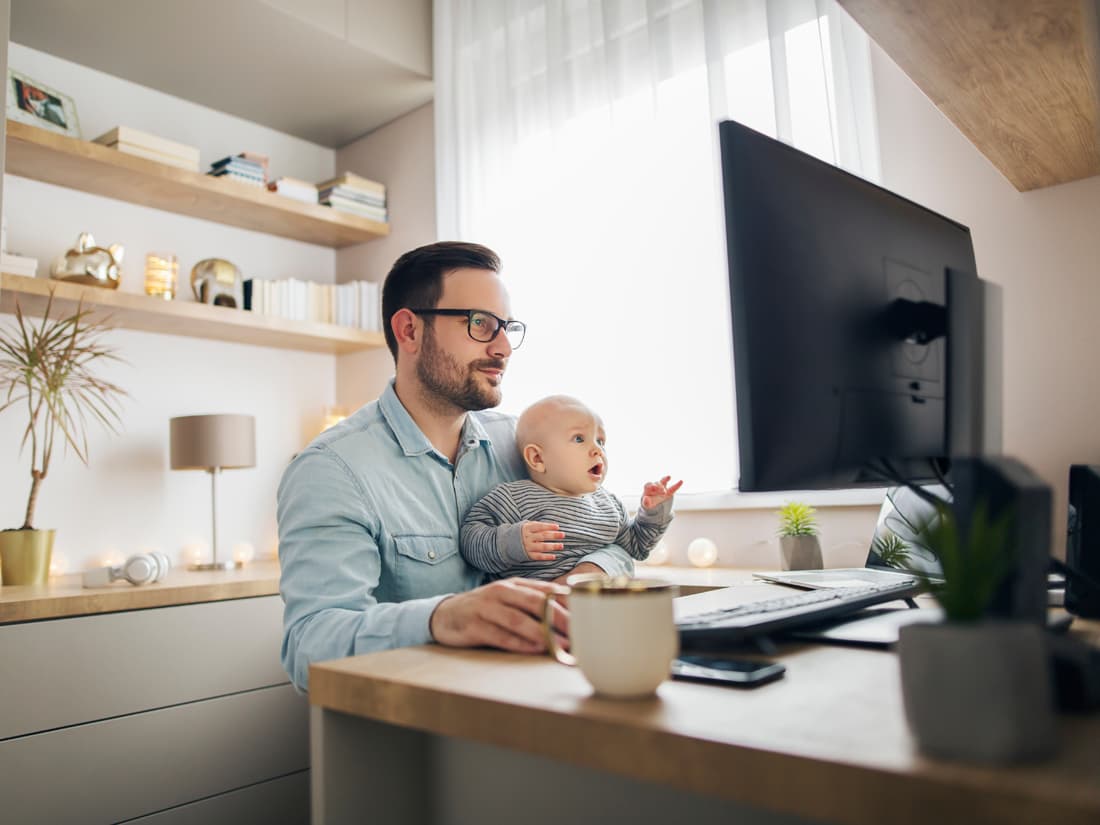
(369, 518)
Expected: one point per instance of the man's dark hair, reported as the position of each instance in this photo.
(416, 279)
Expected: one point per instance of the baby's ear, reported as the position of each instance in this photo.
(532, 457)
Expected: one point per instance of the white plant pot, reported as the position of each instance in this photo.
(979, 692)
(800, 553)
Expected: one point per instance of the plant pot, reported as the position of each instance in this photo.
(980, 692)
(800, 553)
(25, 556)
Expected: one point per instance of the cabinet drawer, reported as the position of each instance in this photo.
(283, 801)
(136, 765)
(67, 671)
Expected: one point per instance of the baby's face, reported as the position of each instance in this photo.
(574, 454)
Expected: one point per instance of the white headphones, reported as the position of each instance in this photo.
(140, 569)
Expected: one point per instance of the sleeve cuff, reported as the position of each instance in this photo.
(413, 626)
(510, 540)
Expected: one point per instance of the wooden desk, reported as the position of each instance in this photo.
(409, 731)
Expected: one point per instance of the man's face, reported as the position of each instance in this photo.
(451, 365)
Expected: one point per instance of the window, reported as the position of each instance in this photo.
(579, 141)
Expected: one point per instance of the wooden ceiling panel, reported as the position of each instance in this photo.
(1019, 78)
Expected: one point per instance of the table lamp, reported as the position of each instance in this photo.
(213, 443)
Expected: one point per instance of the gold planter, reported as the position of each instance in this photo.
(25, 556)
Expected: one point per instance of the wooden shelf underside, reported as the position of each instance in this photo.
(128, 310)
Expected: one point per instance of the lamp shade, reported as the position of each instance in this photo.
(205, 442)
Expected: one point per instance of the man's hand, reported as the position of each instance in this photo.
(657, 493)
(506, 614)
(542, 540)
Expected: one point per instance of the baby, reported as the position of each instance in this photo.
(541, 527)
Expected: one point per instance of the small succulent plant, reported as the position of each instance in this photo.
(797, 519)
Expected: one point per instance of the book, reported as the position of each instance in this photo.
(371, 212)
(192, 165)
(252, 180)
(238, 162)
(354, 181)
(293, 188)
(357, 195)
(257, 158)
(136, 138)
(18, 264)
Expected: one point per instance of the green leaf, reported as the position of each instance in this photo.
(48, 369)
(797, 519)
(973, 565)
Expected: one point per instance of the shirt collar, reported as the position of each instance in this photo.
(409, 435)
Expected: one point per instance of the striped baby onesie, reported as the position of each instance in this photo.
(492, 537)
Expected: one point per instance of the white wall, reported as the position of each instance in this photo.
(401, 155)
(128, 500)
(1043, 247)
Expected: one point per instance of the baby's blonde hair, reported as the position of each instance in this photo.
(534, 420)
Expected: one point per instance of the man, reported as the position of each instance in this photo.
(369, 514)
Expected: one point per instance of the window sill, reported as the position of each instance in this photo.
(734, 500)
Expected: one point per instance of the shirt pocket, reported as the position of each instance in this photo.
(425, 549)
(427, 566)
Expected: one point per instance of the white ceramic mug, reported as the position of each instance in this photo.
(621, 632)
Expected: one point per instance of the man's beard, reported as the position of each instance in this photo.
(449, 382)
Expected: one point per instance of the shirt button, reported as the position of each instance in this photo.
(431, 554)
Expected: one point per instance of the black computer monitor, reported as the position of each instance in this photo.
(861, 349)
(858, 325)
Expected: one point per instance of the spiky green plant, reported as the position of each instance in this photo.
(891, 549)
(48, 368)
(797, 519)
(973, 566)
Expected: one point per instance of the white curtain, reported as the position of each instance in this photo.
(577, 138)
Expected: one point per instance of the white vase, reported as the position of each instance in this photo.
(800, 553)
(978, 691)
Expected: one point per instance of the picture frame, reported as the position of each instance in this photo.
(38, 105)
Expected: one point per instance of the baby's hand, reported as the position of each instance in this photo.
(657, 493)
(542, 540)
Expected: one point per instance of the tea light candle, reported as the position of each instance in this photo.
(161, 270)
(110, 558)
(243, 552)
(702, 552)
(59, 565)
(659, 554)
(193, 553)
(333, 415)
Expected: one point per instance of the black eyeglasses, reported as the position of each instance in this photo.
(483, 326)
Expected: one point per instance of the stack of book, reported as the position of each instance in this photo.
(299, 190)
(132, 142)
(18, 264)
(352, 304)
(246, 167)
(356, 195)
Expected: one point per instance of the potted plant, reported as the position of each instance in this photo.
(46, 370)
(799, 548)
(974, 687)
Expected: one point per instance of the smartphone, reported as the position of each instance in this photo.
(730, 672)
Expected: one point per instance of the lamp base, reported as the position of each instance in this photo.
(217, 565)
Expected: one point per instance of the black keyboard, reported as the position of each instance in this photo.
(743, 622)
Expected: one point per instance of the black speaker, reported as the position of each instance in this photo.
(1083, 541)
